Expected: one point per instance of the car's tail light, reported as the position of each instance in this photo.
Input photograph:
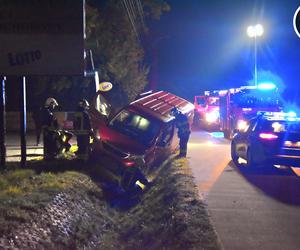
(268, 136)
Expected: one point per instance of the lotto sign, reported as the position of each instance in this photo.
(105, 86)
(41, 37)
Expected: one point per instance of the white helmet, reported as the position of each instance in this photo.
(51, 102)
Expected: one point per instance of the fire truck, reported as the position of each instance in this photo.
(207, 110)
(239, 105)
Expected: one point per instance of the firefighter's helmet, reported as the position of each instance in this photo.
(83, 103)
(51, 102)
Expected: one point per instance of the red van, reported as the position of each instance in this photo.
(141, 134)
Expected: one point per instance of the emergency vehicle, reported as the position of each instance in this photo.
(207, 109)
(272, 138)
(239, 105)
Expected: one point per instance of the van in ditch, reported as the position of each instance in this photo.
(140, 136)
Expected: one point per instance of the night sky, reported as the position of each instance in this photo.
(202, 45)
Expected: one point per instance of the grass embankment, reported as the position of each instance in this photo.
(170, 215)
(67, 209)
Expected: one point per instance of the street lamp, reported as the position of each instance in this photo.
(254, 32)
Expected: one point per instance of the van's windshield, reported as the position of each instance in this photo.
(135, 126)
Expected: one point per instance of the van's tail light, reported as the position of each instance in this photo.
(128, 162)
(268, 136)
(134, 160)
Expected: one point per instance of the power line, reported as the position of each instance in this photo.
(131, 19)
(131, 6)
(140, 11)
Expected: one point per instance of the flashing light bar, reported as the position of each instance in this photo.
(280, 114)
(266, 86)
(290, 116)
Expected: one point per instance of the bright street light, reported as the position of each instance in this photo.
(254, 32)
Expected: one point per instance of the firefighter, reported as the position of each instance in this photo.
(184, 131)
(49, 128)
(82, 125)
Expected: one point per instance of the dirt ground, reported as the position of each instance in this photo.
(66, 208)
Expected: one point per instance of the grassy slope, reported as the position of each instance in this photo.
(169, 215)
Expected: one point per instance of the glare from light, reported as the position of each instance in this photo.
(259, 30)
(266, 86)
(251, 31)
(242, 125)
(255, 31)
(212, 117)
(292, 114)
(278, 127)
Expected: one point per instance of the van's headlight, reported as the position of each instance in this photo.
(212, 117)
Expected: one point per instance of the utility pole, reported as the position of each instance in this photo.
(2, 124)
(23, 119)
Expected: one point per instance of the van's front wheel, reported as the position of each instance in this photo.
(133, 178)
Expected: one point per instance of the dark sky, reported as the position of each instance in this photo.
(202, 45)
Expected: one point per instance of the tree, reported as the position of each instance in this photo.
(115, 30)
(119, 29)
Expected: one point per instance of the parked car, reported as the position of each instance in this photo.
(269, 138)
(140, 135)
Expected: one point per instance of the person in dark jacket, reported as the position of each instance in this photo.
(82, 126)
(49, 128)
(184, 131)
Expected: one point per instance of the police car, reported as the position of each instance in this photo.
(269, 138)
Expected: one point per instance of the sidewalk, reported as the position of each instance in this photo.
(13, 148)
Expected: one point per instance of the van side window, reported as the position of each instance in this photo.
(166, 134)
(135, 126)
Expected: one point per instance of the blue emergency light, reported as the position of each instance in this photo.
(266, 86)
(289, 116)
(292, 114)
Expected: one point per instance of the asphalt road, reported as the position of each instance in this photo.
(250, 209)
